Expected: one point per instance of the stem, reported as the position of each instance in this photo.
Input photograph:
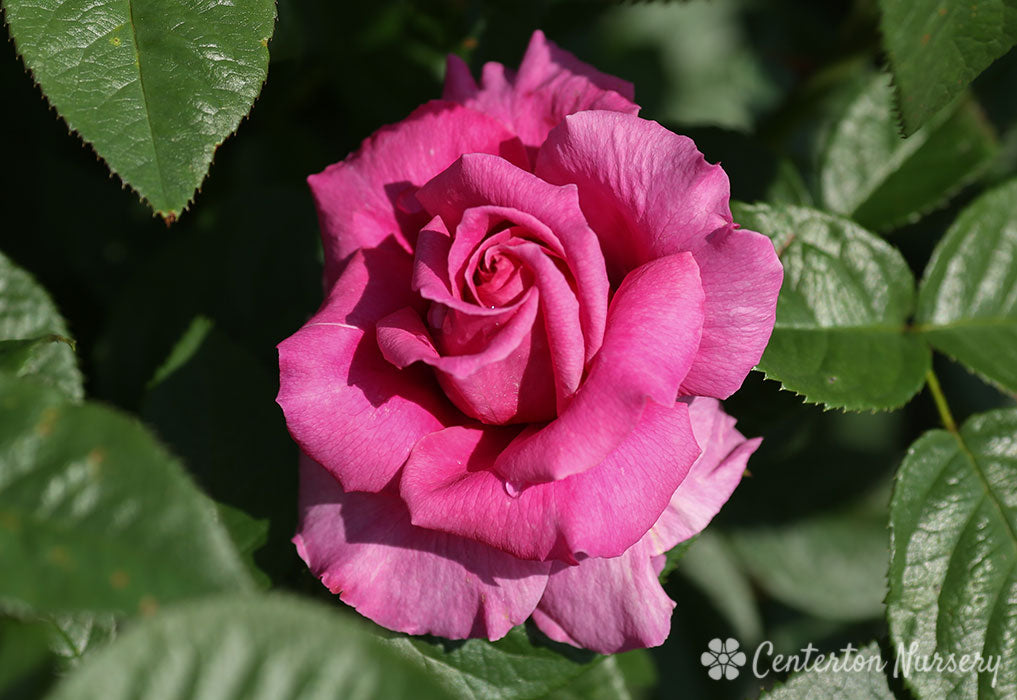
(937, 395)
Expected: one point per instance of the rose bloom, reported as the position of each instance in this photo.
(508, 401)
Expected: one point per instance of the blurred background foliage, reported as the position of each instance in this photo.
(178, 324)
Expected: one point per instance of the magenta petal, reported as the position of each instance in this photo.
(431, 279)
(545, 62)
(478, 180)
(369, 196)
(474, 235)
(610, 605)
(646, 191)
(560, 311)
(459, 83)
(712, 479)
(653, 332)
(492, 394)
(347, 407)
(483, 384)
(554, 351)
(552, 629)
(741, 278)
(550, 84)
(496, 98)
(607, 605)
(404, 339)
(449, 485)
(407, 579)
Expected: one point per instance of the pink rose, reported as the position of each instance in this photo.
(508, 400)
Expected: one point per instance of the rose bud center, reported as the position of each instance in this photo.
(500, 274)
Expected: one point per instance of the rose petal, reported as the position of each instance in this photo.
(611, 605)
(650, 193)
(448, 485)
(607, 605)
(478, 180)
(496, 277)
(712, 479)
(404, 339)
(652, 335)
(553, 354)
(551, 83)
(368, 197)
(492, 394)
(347, 407)
(646, 191)
(430, 276)
(741, 279)
(407, 579)
(474, 234)
(545, 62)
(559, 320)
(510, 351)
(560, 310)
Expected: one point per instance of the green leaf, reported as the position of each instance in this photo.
(16, 354)
(859, 674)
(937, 48)
(34, 649)
(872, 175)
(619, 677)
(243, 297)
(840, 337)
(154, 87)
(185, 349)
(248, 535)
(709, 73)
(712, 566)
(226, 648)
(76, 635)
(28, 320)
(953, 567)
(523, 664)
(967, 303)
(25, 658)
(830, 566)
(214, 405)
(673, 556)
(95, 515)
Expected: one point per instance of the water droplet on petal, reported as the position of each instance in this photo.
(513, 489)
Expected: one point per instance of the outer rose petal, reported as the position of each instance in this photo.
(449, 485)
(653, 332)
(369, 196)
(741, 278)
(346, 406)
(607, 605)
(551, 83)
(610, 605)
(407, 579)
(712, 479)
(647, 193)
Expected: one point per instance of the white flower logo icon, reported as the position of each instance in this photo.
(723, 659)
